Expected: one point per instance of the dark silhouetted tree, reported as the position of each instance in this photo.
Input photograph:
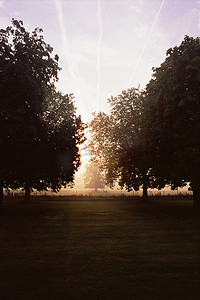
(32, 144)
(173, 115)
(65, 132)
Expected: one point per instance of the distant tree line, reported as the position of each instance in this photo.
(40, 132)
(151, 138)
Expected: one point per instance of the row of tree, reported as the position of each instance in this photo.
(151, 138)
(40, 132)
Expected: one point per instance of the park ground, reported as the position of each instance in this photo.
(108, 248)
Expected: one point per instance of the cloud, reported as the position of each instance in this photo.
(2, 2)
(196, 12)
(16, 13)
(136, 6)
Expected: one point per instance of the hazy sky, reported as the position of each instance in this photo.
(106, 46)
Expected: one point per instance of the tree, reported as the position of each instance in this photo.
(93, 177)
(173, 115)
(65, 132)
(31, 141)
(119, 141)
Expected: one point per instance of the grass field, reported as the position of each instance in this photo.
(100, 249)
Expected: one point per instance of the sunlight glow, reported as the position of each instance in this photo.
(73, 70)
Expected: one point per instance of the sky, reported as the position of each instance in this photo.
(105, 46)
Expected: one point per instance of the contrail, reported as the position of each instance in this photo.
(147, 40)
(100, 23)
(67, 52)
(73, 72)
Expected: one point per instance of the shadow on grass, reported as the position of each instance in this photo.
(102, 249)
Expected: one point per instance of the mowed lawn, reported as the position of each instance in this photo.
(100, 249)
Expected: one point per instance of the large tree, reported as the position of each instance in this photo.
(173, 115)
(28, 72)
(120, 143)
(64, 134)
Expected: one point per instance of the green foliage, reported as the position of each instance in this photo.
(64, 135)
(173, 113)
(40, 132)
(120, 143)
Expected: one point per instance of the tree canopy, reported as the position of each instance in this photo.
(151, 138)
(173, 115)
(120, 143)
(40, 130)
(65, 132)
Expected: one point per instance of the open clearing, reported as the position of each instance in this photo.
(101, 249)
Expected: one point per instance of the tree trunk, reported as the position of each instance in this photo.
(145, 193)
(1, 196)
(196, 196)
(27, 191)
